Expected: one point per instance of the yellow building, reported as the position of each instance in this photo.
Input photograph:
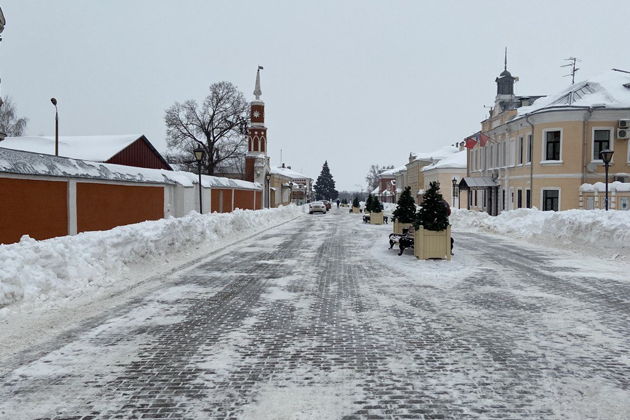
(445, 171)
(414, 175)
(288, 186)
(538, 151)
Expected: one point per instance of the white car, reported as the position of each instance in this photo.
(316, 206)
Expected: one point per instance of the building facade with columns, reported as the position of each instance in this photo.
(539, 151)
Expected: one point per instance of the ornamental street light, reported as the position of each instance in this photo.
(268, 190)
(199, 153)
(606, 156)
(54, 102)
(455, 192)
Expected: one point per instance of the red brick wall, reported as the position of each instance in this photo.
(103, 206)
(36, 208)
(138, 154)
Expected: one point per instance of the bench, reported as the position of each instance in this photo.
(404, 240)
(366, 219)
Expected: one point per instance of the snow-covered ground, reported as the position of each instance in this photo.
(593, 231)
(36, 272)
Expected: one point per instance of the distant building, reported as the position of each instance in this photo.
(445, 171)
(289, 186)
(129, 150)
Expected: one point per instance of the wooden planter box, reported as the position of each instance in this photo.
(398, 227)
(376, 218)
(432, 244)
(356, 210)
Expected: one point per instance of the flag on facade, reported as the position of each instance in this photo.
(470, 142)
(483, 139)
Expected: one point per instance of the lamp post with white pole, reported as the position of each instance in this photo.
(606, 156)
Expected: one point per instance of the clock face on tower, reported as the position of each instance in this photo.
(256, 114)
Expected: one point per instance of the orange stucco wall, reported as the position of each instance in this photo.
(103, 206)
(244, 199)
(35, 208)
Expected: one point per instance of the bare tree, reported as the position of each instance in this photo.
(10, 124)
(372, 176)
(219, 126)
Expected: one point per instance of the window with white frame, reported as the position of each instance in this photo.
(520, 150)
(552, 145)
(551, 200)
(529, 149)
(601, 141)
(624, 203)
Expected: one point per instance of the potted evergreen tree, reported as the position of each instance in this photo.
(368, 204)
(376, 211)
(356, 206)
(433, 232)
(405, 212)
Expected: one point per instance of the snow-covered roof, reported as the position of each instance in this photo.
(455, 161)
(610, 89)
(601, 187)
(392, 172)
(28, 163)
(289, 173)
(94, 148)
(376, 191)
(441, 153)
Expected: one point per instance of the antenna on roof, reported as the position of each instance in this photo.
(571, 63)
(622, 71)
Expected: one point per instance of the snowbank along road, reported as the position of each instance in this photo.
(318, 319)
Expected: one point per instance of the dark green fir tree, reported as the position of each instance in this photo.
(406, 210)
(368, 203)
(355, 202)
(325, 185)
(377, 207)
(433, 215)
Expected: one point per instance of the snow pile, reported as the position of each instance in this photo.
(579, 227)
(601, 187)
(62, 267)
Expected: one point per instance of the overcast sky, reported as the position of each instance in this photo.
(352, 82)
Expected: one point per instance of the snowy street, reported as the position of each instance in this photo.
(318, 319)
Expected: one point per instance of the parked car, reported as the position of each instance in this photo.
(327, 204)
(317, 206)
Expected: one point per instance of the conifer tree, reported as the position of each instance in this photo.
(368, 203)
(377, 207)
(406, 210)
(355, 202)
(433, 215)
(325, 185)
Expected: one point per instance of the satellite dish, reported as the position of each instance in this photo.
(591, 167)
(2, 21)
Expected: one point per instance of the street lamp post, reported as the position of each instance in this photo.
(455, 192)
(606, 156)
(199, 155)
(267, 203)
(54, 102)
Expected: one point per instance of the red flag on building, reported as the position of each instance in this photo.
(483, 139)
(470, 142)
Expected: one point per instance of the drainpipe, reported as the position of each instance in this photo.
(587, 117)
(531, 164)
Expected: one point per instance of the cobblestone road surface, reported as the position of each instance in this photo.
(317, 319)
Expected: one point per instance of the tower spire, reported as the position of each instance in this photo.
(505, 60)
(257, 91)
